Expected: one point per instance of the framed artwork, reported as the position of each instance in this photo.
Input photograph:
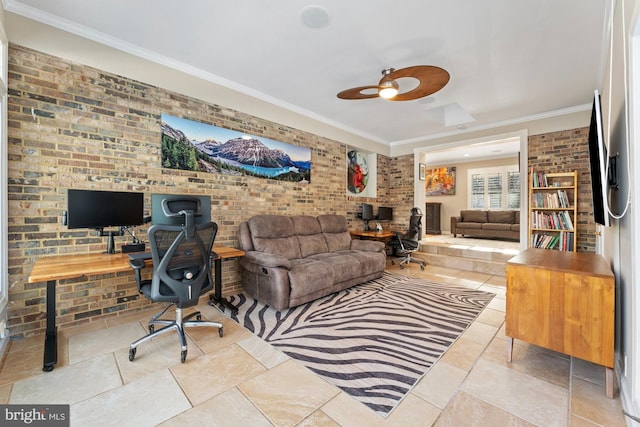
(195, 146)
(361, 173)
(440, 182)
(423, 171)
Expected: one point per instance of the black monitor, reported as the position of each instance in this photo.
(101, 209)
(98, 210)
(367, 212)
(385, 213)
(200, 205)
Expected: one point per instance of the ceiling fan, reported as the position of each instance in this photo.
(430, 80)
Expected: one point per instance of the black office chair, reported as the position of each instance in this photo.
(182, 257)
(409, 242)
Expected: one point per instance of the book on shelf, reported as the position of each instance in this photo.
(551, 220)
(550, 200)
(562, 241)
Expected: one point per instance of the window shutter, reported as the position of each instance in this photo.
(477, 191)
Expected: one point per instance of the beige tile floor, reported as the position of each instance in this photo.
(239, 380)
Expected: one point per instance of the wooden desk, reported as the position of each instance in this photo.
(379, 235)
(563, 301)
(52, 268)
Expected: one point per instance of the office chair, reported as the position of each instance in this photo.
(409, 242)
(182, 257)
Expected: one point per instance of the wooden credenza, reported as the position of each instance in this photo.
(563, 301)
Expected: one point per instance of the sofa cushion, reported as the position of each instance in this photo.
(335, 231)
(516, 217)
(515, 227)
(370, 262)
(343, 264)
(469, 225)
(309, 275)
(309, 235)
(274, 234)
(496, 226)
(500, 217)
(473, 216)
(333, 223)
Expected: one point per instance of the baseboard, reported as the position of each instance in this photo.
(626, 399)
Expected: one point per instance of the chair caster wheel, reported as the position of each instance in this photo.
(220, 332)
(422, 267)
(401, 267)
(393, 262)
(132, 354)
(183, 356)
(199, 318)
(151, 329)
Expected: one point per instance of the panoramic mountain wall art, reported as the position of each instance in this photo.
(195, 146)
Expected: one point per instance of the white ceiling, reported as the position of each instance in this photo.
(509, 60)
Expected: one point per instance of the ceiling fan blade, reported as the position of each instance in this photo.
(356, 93)
(431, 79)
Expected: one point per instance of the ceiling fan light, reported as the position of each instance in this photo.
(388, 89)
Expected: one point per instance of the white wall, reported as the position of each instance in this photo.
(619, 247)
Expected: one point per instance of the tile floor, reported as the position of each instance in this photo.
(238, 380)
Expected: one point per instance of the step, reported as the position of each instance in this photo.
(480, 259)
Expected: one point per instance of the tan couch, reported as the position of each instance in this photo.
(291, 260)
(499, 224)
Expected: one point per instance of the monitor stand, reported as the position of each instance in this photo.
(111, 246)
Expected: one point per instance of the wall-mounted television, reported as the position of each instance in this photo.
(598, 162)
(96, 209)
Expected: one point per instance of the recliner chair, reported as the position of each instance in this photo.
(182, 258)
(409, 242)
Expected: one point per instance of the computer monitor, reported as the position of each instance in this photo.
(95, 209)
(200, 205)
(102, 209)
(385, 213)
(367, 212)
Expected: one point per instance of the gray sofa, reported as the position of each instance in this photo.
(504, 224)
(291, 260)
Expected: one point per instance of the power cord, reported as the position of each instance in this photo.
(633, 417)
(135, 240)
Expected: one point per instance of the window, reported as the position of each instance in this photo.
(494, 188)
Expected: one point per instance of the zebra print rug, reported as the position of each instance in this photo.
(373, 341)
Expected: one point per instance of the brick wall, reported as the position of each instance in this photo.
(565, 152)
(72, 126)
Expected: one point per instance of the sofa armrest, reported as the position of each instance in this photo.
(454, 222)
(367, 245)
(266, 259)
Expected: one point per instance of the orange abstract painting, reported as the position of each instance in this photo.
(440, 181)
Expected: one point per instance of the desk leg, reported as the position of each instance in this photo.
(50, 340)
(608, 374)
(216, 298)
(509, 349)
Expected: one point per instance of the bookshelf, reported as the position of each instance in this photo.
(553, 210)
